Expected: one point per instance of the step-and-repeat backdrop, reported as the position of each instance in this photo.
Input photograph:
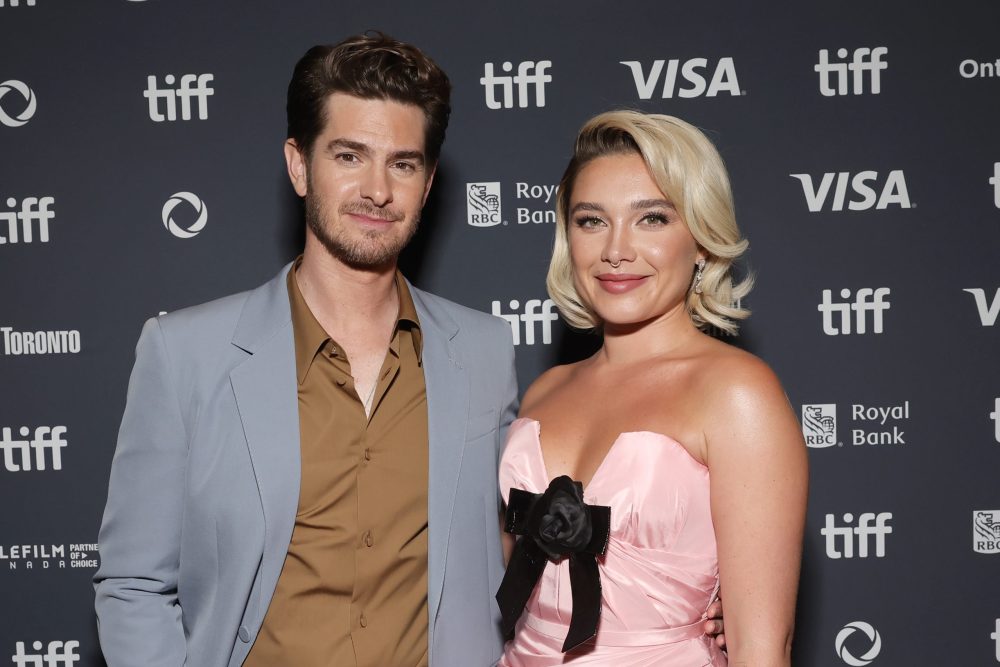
(141, 171)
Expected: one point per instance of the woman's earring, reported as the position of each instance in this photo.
(698, 275)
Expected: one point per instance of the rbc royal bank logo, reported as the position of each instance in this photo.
(193, 228)
(693, 72)
(988, 312)
(484, 204)
(192, 86)
(835, 77)
(529, 75)
(819, 425)
(868, 188)
(19, 118)
(863, 639)
(57, 654)
(35, 214)
(986, 531)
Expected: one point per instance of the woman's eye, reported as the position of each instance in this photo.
(655, 219)
(588, 222)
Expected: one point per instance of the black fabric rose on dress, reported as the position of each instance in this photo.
(561, 520)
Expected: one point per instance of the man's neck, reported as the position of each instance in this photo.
(345, 300)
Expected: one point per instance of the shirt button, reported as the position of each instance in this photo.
(369, 540)
(244, 634)
(363, 621)
(341, 383)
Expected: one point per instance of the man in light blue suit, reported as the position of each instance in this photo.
(223, 511)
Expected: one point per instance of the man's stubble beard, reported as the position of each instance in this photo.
(374, 250)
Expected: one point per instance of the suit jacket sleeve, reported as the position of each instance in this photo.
(139, 617)
(509, 401)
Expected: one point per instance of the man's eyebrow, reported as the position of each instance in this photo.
(348, 144)
(407, 155)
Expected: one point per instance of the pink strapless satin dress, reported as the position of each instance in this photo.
(661, 569)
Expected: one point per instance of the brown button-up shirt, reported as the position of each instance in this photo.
(353, 588)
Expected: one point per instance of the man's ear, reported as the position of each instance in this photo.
(298, 167)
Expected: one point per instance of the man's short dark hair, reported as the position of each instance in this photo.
(369, 66)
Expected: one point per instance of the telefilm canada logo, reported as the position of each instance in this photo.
(986, 531)
(696, 77)
(27, 220)
(191, 228)
(484, 203)
(49, 556)
(527, 86)
(858, 644)
(8, 115)
(871, 424)
(846, 73)
(52, 654)
(525, 320)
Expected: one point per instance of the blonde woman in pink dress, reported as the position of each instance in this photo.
(669, 464)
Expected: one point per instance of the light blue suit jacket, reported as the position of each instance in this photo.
(205, 481)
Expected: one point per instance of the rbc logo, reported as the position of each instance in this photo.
(865, 300)
(529, 317)
(30, 103)
(862, 531)
(986, 531)
(192, 230)
(57, 654)
(528, 72)
(723, 79)
(819, 425)
(874, 644)
(185, 92)
(864, 60)
(892, 192)
(483, 204)
(33, 209)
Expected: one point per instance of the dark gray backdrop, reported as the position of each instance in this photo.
(76, 127)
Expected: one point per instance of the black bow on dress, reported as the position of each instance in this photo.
(553, 525)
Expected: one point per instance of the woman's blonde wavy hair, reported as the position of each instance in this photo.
(689, 171)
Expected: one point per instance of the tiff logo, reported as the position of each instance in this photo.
(21, 224)
(45, 438)
(529, 317)
(57, 654)
(995, 636)
(863, 184)
(864, 60)
(528, 73)
(988, 312)
(191, 86)
(995, 416)
(866, 300)
(995, 182)
(863, 531)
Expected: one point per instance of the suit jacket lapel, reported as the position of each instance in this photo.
(266, 397)
(447, 416)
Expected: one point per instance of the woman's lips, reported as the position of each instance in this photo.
(619, 283)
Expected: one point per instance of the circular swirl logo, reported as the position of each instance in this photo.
(874, 639)
(176, 200)
(17, 120)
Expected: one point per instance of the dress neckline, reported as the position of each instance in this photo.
(611, 450)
